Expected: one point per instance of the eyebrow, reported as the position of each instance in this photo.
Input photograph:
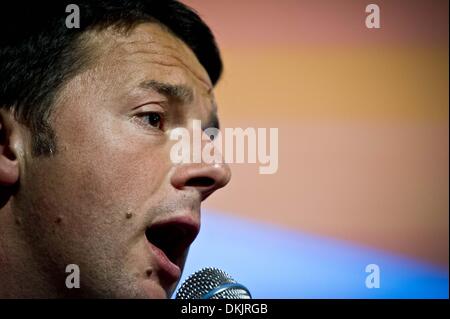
(181, 93)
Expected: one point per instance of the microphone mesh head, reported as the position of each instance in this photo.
(206, 280)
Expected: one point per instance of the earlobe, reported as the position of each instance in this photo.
(9, 164)
(9, 172)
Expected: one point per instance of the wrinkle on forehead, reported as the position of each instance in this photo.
(153, 43)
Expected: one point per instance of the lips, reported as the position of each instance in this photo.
(169, 241)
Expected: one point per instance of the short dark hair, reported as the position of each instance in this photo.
(39, 54)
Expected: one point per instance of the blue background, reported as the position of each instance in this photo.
(276, 263)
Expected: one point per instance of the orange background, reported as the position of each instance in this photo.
(362, 117)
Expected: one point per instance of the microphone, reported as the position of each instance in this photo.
(212, 283)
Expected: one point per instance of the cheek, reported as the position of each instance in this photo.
(111, 157)
(76, 202)
(115, 174)
(99, 174)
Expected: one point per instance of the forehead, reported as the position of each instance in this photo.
(151, 48)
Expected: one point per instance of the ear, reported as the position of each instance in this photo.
(9, 135)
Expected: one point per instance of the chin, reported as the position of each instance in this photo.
(152, 290)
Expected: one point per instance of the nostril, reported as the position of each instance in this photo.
(200, 182)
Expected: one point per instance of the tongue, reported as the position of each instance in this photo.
(167, 239)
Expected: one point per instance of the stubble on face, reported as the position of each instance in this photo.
(91, 202)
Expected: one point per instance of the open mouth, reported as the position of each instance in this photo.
(173, 238)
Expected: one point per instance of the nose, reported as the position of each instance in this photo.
(205, 178)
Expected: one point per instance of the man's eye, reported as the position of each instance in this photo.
(153, 119)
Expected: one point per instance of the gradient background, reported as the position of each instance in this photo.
(363, 148)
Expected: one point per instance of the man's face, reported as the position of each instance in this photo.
(110, 200)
